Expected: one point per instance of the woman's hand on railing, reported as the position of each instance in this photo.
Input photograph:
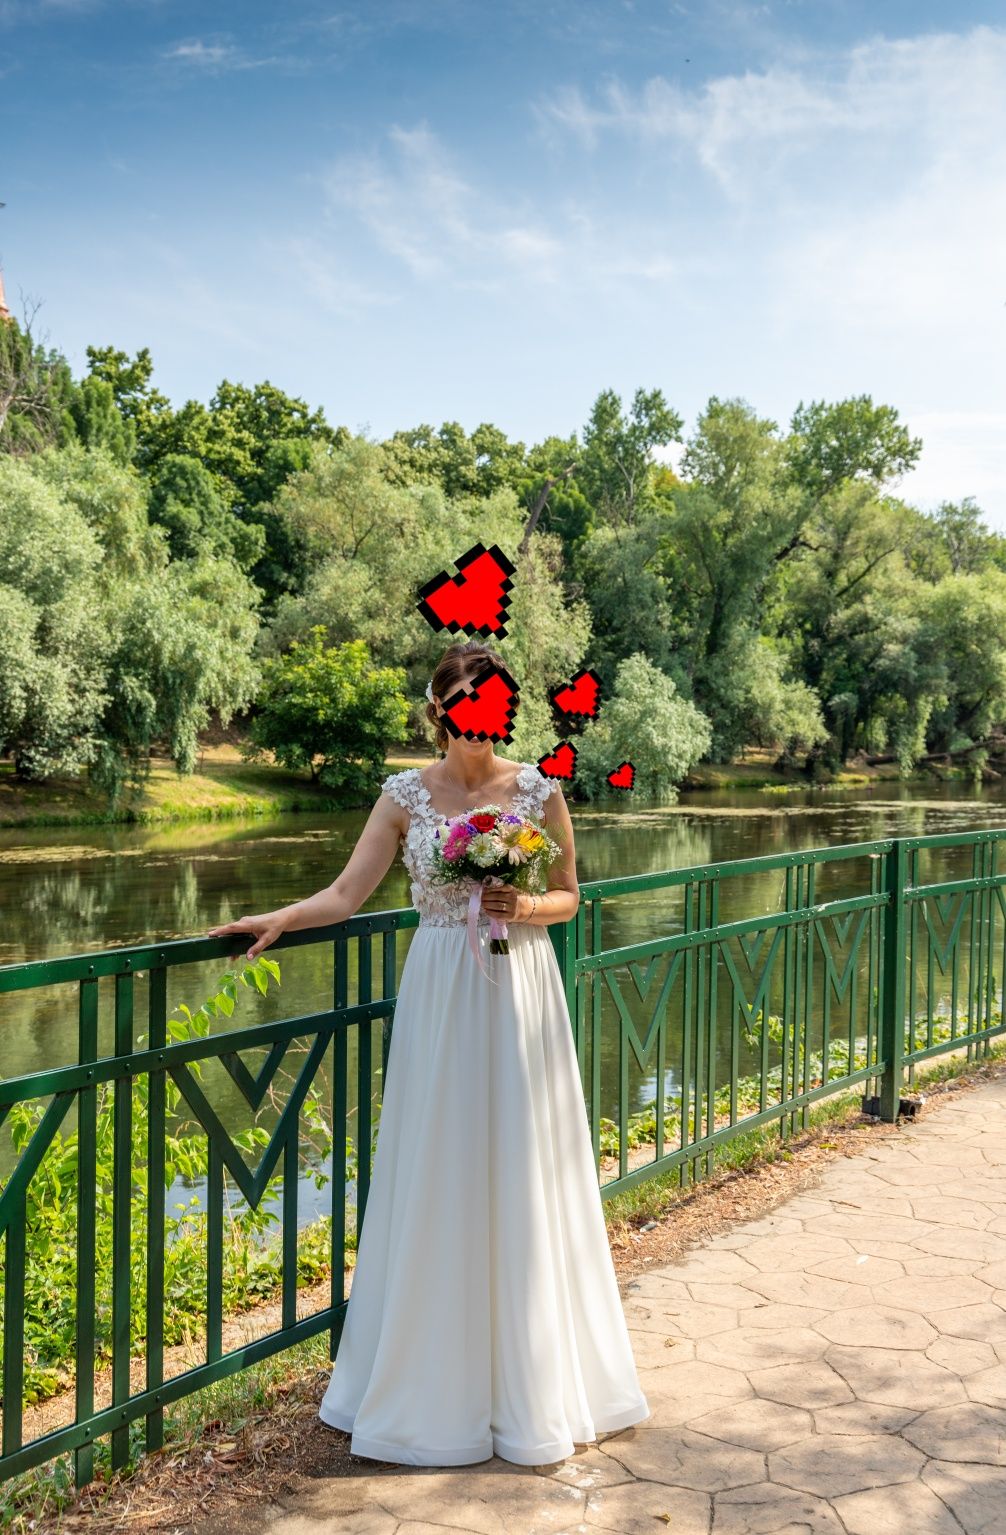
(265, 929)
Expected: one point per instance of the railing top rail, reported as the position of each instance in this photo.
(956, 838)
(184, 951)
(120, 961)
(597, 889)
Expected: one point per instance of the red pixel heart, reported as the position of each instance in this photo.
(486, 713)
(474, 601)
(579, 696)
(560, 763)
(622, 776)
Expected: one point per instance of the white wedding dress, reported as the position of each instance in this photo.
(484, 1315)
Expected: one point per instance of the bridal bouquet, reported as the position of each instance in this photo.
(486, 846)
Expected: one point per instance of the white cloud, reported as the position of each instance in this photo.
(419, 208)
(852, 211)
(334, 289)
(215, 58)
(877, 90)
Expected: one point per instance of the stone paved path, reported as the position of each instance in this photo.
(838, 1368)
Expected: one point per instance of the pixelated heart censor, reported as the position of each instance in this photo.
(580, 696)
(560, 763)
(622, 776)
(486, 713)
(476, 600)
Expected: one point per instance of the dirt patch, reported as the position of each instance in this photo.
(205, 1487)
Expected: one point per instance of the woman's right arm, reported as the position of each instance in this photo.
(368, 863)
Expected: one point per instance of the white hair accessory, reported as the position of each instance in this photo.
(429, 690)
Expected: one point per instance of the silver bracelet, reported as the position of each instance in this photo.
(534, 903)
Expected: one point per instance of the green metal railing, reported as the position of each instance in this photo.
(773, 982)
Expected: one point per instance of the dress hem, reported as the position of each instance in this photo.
(522, 1455)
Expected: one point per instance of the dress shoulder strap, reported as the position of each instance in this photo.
(407, 789)
(535, 788)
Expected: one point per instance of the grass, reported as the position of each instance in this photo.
(223, 786)
(755, 769)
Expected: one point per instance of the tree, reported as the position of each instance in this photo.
(850, 605)
(103, 654)
(852, 439)
(98, 421)
(184, 501)
(646, 723)
(462, 465)
(183, 638)
(36, 388)
(737, 515)
(754, 700)
(548, 489)
(330, 710)
(53, 636)
(632, 608)
(112, 499)
(614, 473)
(141, 406)
(963, 622)
(365, 548)
(962, 533)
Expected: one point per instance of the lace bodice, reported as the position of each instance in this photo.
(446, 905)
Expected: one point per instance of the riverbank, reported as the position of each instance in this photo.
(224, 786)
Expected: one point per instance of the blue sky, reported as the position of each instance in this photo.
(424, 210)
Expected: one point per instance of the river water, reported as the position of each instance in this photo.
(71, 891)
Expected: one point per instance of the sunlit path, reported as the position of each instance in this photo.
(839, 1366)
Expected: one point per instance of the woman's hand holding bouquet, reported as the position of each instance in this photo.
(486, 846)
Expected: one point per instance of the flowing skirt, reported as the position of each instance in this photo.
(484, 1315)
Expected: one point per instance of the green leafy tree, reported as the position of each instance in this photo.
(112, 500)
(647, 723)
(849, 604)
(756, 701)
(145, 409)
(183, 641)
(103, 656)
(53, 644)
(36, 388)
(851, 439)
(617, 456)
(462, 465)
(962, 535)
(963, 621)
(731, 522)
(330, 710)
(98, 421)
(184, 501)
(621, 571)
(549, 490)
(368, 545)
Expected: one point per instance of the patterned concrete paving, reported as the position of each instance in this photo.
(838, 1368)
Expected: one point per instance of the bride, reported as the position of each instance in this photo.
(484, 1316)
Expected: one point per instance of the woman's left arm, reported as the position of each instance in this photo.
(560, 901)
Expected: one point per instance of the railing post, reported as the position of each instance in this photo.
(892, 1001)
(564, 937)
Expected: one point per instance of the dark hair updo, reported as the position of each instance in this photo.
(456, 665)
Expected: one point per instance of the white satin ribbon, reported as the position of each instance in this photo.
(497, 929)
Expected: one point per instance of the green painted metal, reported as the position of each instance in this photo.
(772, 983)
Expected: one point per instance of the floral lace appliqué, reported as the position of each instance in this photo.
(447, 905)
